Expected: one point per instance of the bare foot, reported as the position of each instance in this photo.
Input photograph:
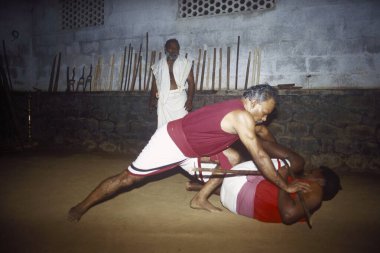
(191, 186)
(198, 203)
(75, 213)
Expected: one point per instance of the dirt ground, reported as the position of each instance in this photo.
(37, 189)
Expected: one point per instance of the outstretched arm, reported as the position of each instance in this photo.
(243, 124)
(276, 150)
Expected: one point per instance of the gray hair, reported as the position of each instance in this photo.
(260, 93)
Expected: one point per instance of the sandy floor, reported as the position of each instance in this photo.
(37, 189)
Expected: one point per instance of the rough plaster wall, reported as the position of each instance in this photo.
(315, 44)
(17, 16)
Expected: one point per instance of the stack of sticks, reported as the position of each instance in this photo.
(211, 71)
(11, 128)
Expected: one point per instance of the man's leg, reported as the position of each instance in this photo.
(193, 186)
(196, 187)
(107, 189)
(200, 200)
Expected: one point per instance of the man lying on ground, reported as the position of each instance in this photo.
(255, 197)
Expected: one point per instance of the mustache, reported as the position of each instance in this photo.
(171, 56)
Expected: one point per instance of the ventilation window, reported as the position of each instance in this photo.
(195, 8)
(82, 13)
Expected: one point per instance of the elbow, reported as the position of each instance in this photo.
(297, 163)
(287, 218)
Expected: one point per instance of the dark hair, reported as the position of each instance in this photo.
(260, 92)
(171, 41)
(332, 183)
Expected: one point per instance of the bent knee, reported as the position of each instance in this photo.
(127, 179)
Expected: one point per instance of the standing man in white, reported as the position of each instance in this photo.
(172, 86)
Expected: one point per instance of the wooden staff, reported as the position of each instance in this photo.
(120, 70)
(7, 67)
(111, 71)
(203, 68)
(137, 69)
(126, 81)
(218, 171)
(146, 58)
(220, 68)
(208, 73)
(10, 103)
(258, 65)
(247, 71)
(237, 63)
(152, 60)
(123, 68)
(98, 71)
(50, 89)
(198, 64)
(55, 89)
(140, 72)
(300, 196)
(254, 62)
(130, 69)
(131, 88)
(228, 67)
(213, 71)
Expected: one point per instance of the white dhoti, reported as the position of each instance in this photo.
(171, 103)
(173, 108)
(231, 187)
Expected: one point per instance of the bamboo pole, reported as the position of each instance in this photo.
(228, 67)
(213, 71)
(220, 68)
(129, 70)
(254, 63)
(146, 58)
(258, 65)
(203, 68)
(208, 73)
(237, 63)
(132, 86)
(247, 71)
(198, 64)
(122, 64)
(140, 73)
(111, 71)
(152, 60)
(98, 74)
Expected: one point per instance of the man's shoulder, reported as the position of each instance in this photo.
(158, 63)
(182, 60)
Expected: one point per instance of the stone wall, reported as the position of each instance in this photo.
(337, 128)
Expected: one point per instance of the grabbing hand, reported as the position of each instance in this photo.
(297, 186)
(188, 105)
